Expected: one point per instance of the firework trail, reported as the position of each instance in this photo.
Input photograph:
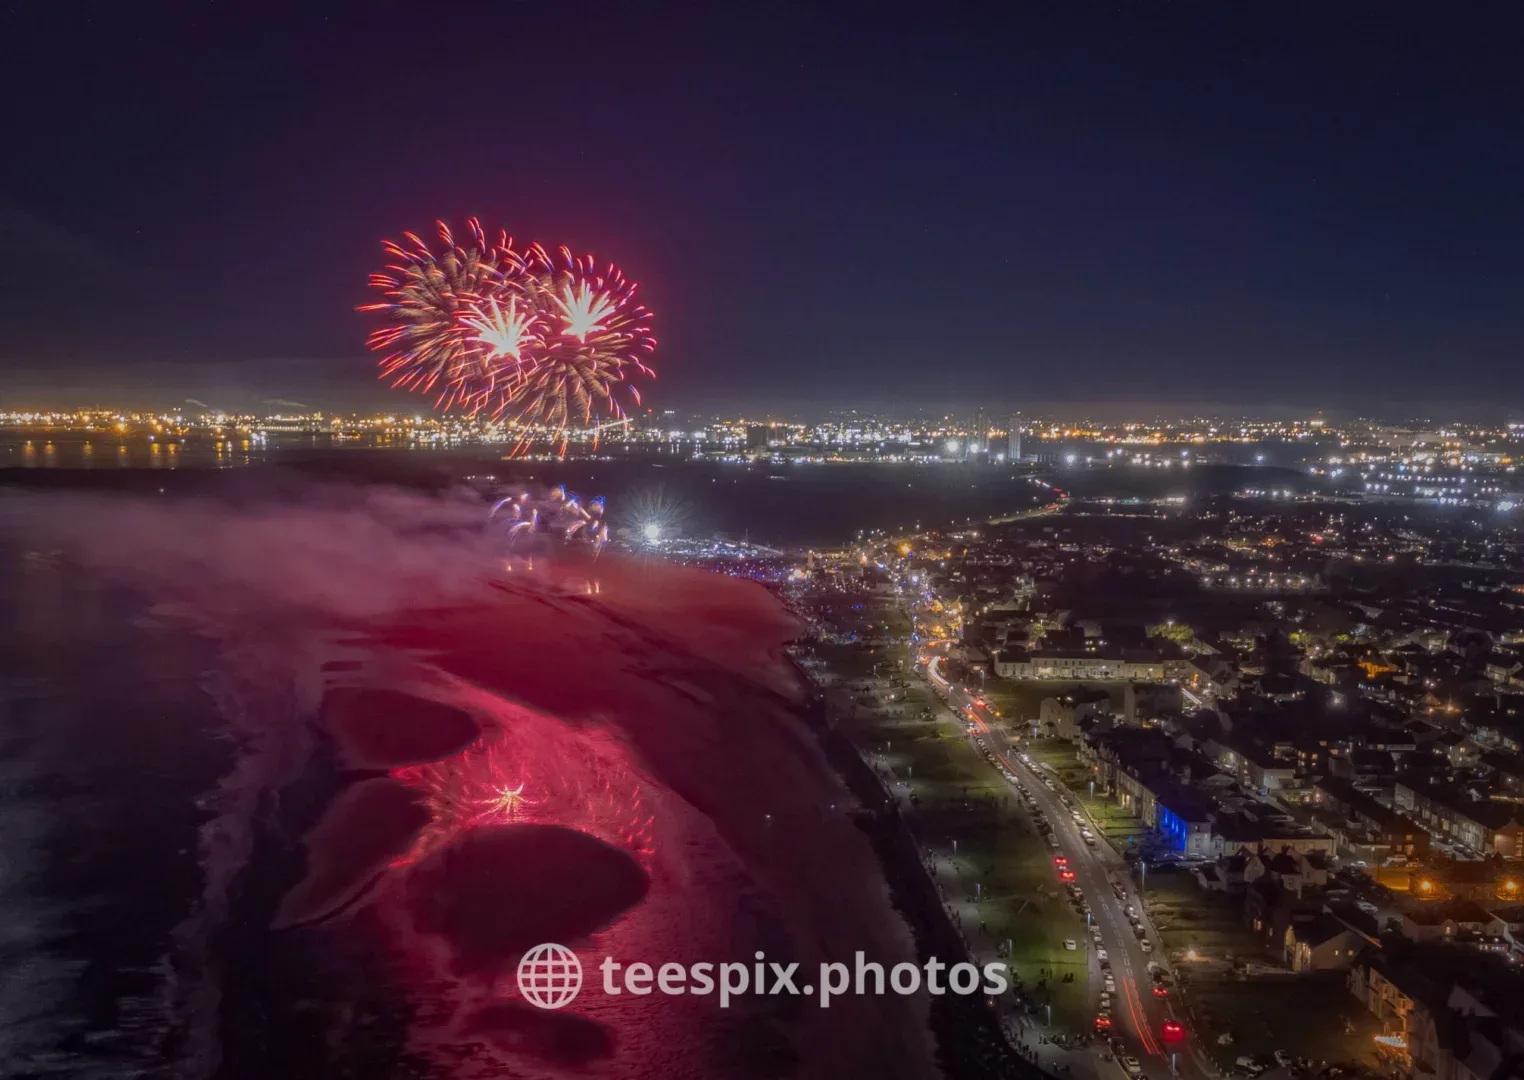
(547, 343)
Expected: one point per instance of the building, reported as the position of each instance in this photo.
(1256, 767)
(1446, 921)
(1078, 666)
(1391, 992)
(1481, 826)
(1181, 819)
(1325, 943)
(1369, 823)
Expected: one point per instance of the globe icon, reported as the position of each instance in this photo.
(549, 976)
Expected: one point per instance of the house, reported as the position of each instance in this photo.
(1446, 921)
(1297, 871)
(1063, 716)
(1478, 825)
(1392, 992)
(1255, 766)
(1242, 868)
(1370, 822)
(1324, 943)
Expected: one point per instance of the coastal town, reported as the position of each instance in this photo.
(1234, 784)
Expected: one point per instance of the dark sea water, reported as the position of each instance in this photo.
(109, 743)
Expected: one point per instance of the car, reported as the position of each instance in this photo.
(1070, 944)
(1366, 906)
(1132, 912)
(1111, 985)
(1089, 841)
(1067, 875)
(1161, 991)
(1102, 1022)
(1106, 965)
(1145, 945)
(1282, 1058)
(1132, 1066)
(1102, 955)
(1060, 860)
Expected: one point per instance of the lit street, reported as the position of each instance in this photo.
(1138, 1016)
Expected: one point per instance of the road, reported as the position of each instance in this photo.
(1134, 1007)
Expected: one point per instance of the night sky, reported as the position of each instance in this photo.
(1245, 203)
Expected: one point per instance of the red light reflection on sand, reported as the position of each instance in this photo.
(541, 774)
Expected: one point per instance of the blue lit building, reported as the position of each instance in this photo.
(1172, 811)
(1184, 823)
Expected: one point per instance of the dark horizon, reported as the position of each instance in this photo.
(1314, 207)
